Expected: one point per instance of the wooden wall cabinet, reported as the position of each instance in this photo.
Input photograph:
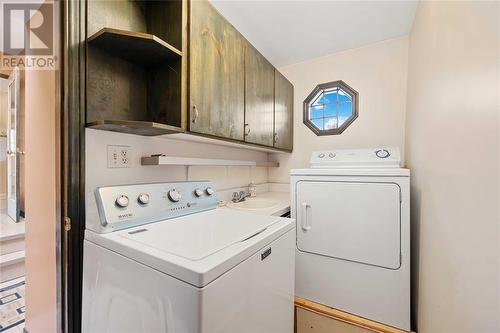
(217, 72)
(259, 98)
(234, 92)
(283, 112)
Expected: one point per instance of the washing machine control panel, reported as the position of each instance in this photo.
(125, 206)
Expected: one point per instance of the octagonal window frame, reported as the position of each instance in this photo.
(314, 95)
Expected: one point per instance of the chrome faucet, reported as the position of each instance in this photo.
(241, 196)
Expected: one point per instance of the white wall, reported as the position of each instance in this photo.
(378, 72)
(98, 174)
(453, 151)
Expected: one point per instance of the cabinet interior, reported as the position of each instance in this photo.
(134, 61)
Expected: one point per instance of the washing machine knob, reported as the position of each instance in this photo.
(198, 192)
(174, 195)
(210, 191)
(122, 201)
(143, 198)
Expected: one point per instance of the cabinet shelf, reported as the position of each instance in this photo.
(140, 48)
(144, 128)
(171, 160)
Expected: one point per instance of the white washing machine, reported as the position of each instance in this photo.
(352, 209)
(163, 258)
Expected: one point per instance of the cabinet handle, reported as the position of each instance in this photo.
(247, 132)
(196, 114)
(275, 137)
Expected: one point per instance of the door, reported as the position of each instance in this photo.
(217, 74)
(283, 112)
(259, 98)
(354, 221)
(13, 208)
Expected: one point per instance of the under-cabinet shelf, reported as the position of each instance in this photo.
(140, 48)
(188, 161)
(144, 128)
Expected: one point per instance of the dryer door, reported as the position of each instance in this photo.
(355, 221)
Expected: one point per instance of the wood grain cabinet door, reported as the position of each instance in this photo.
(259, 98)
(283, 112)
(217, 80)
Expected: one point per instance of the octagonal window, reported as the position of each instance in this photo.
(330, 108)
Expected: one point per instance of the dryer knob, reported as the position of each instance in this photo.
(198, 192)
(210, 191)
(382, 153)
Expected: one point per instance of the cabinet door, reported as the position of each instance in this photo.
(259, 98)
(216, 74)
(283, 112)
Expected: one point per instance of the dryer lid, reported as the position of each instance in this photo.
(382, 157)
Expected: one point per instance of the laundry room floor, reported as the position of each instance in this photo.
(12, 306)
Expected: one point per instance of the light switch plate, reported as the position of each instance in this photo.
(118, 156)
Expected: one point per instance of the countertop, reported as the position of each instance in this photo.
(281, 207)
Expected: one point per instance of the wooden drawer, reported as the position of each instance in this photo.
(311, 317)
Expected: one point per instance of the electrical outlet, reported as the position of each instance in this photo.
(118, 156)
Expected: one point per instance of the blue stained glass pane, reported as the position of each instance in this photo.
(315, 112)
(344, 97)
(330, 110)
(330, 123)
(318, 123)
(345, 112)
(330, 97)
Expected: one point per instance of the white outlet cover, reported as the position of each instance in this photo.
(118, 156)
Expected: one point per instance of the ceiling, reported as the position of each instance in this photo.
(291, 31)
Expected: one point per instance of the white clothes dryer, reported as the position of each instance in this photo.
(352, 209)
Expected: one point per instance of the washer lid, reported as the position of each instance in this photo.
(198, 236)
(383, 157)
(196, 248)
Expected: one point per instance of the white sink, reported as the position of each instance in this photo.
(253, 204)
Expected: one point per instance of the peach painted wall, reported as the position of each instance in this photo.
(453, 151)
(41, 308)
(378, 72)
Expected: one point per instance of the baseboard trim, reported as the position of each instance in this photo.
(345, 316)
(12, 258)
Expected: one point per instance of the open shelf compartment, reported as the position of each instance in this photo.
(140, 48)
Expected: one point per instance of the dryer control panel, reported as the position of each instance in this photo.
(381, 157)
(128, 206)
